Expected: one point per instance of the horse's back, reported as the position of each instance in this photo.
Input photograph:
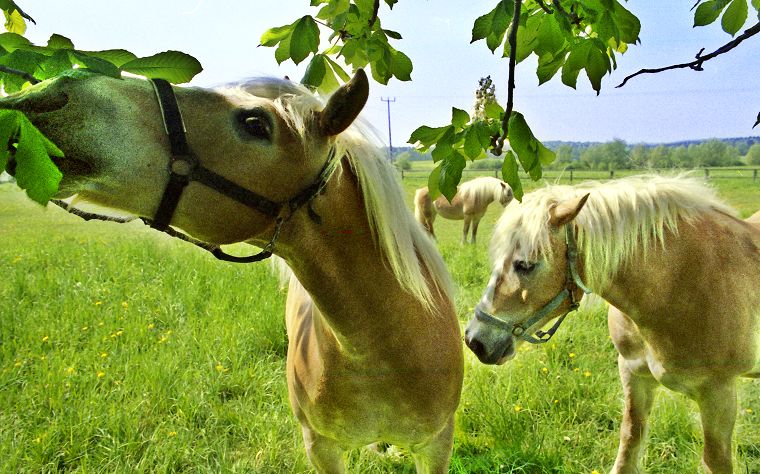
(754, 220)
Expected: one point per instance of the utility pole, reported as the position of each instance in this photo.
(390, 139)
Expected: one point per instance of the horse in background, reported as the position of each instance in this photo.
(680, 271)
(469, 204)
(375, 349)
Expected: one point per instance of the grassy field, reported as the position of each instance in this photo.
(124, 351)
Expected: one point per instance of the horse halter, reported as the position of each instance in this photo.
(572, 281)
(184, 167)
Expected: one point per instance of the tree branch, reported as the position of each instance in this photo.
(544, 7)
(499, 147)
(572, 16)
(697, 63)
(17, 72)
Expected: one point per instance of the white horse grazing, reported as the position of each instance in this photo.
(469, 204)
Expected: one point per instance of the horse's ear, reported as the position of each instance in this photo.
(564, 212)
(344, 105)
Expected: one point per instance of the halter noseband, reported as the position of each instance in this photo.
(185, 167)
(572, 281)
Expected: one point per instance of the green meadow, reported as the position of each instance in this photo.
(122, 350)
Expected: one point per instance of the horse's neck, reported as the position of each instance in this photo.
(341, 266)
(704, 265)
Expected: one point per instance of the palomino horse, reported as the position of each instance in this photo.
(470, 203)
(375, 349)
(681, 268)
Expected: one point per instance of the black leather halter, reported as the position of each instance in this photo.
(184, 167)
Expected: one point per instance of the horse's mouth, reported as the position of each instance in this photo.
(69, 167)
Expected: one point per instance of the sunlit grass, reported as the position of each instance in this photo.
(124, 351)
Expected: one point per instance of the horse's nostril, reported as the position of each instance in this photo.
(476, 347)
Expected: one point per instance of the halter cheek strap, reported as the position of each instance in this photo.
(572, 278)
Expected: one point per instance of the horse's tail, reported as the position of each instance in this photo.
(423, 209)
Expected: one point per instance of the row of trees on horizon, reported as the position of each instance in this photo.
(619, 155)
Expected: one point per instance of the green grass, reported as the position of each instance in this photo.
(124, 351)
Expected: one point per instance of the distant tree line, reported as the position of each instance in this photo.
(619, 155)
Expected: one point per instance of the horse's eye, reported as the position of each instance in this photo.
(257, 126)
(522, 267)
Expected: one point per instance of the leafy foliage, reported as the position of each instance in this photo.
(357, 37)
(23, 63)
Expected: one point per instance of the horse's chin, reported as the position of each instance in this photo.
(508, 355)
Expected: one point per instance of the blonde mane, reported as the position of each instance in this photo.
(620, 218)
(410, 253)
(480, 188)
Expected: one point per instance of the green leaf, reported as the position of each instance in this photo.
(597, 66)
(14, 22)
(472, 147)
(529, 150)
(100, 66)
(333, 9)
(451, 174)
(305, 39)
(35, 172)
(549, 37)
(272, 36)
(493, 25)
(117, 57)
(315, 71)
(401, 65)
(433, 179)
(459, 117)
(575, 61)
(735, 16)
(393, 34)
(54, 65)
(338, 69)
(627, 24)
(493, 110)
(444, 146)
(427, 136)
(548, 65)
(708, 12)
(509, 172)
(11, 42)
(59, 42)
(173, 66)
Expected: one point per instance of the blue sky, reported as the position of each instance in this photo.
(721, 101)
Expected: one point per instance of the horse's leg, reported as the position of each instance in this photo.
(639, 388)
(466, 230)
(475, 222)
(717, 406)
(324, 453)
(433, 457)
(639, 391)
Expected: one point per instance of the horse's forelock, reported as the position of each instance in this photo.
(620, 218)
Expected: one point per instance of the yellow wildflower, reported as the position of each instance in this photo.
(151, 326)
(124, 304)
(572, 354)
(518, 408)
(45, 339)
(98, 303)
(172, 433)
(101, 374)
(69, 370)
(586, 373)
(748, 410)
(545, 370)
(104, 354)
(220, 368)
